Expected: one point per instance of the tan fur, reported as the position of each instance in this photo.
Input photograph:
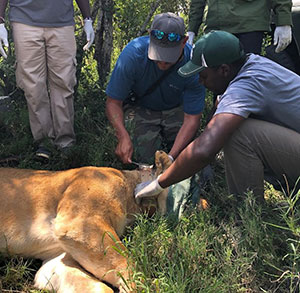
(69, 219)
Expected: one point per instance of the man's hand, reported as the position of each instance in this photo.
(124, 150)
(282, 37)
(89, 31)
(147, 189)
(3, 39)
(191, 38)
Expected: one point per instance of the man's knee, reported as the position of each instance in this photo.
(258, 146)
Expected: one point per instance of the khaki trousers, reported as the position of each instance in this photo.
(46, 71)
(258, 148)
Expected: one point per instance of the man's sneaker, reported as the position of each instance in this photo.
(42, 154)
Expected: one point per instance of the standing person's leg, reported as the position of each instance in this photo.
(144, 127)
(258, 146)
(31, 76)
(252, 41)
(61, 59)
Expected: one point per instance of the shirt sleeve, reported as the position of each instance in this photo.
(122, 77)
(241, 101)
(196, 15)
(194, 96)
(282, 11)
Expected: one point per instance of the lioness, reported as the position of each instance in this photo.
(72, 219)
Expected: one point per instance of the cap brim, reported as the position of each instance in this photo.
(164, 54)
(190, 69)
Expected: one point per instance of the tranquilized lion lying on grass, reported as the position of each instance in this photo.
(71, 220)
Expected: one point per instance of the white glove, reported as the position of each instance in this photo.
(191, 38)
(147, 189)
(3, 39)
(171, 158)
(89, 31)
(282, 37)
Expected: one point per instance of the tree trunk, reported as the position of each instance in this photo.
(153, 8)
(103, 13)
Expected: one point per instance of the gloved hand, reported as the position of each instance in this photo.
(147, 189)
(282, 37)
(191, 38)
(3, 39)
(89, 31)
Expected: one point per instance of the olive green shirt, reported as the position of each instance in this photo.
(238, 16)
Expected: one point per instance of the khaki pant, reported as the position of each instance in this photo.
(258, 148)
(46, 68)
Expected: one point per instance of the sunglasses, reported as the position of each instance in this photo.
(172, 37)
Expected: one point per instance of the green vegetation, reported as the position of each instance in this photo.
(234, 246)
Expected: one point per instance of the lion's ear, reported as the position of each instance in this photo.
(162, 162)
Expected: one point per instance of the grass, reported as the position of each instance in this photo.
(17, 274)
(231, 247)
(242, 249)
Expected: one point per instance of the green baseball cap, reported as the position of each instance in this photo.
(212, 50)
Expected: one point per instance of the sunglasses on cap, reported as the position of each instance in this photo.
(172, 37)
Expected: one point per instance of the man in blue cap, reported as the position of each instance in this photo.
(257, 121)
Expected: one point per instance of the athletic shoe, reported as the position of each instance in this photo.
(42, 154)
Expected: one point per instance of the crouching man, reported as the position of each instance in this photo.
(257, 121)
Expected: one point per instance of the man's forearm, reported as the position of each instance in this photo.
(84, 6)
(3, 4)
(115, 115)
(186, 134)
